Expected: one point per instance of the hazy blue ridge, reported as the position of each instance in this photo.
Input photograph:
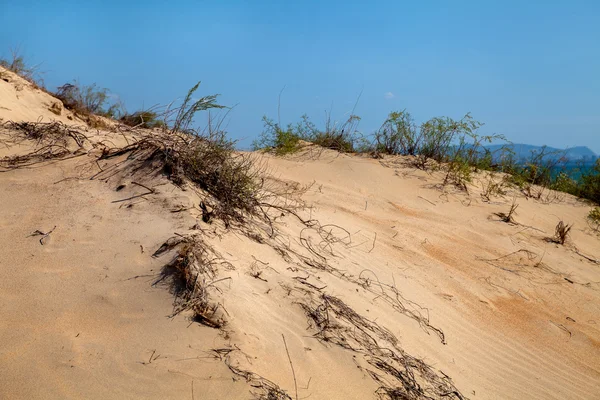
(525, 151)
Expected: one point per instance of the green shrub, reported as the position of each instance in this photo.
(340, 138)
(458, 172)
(210, 161)
(441, 139)
(590, 184)
(142, 119)
(457, 144)
(539, 168)
(283, 141)
(398, 135)
(273, 137)
(564, 183)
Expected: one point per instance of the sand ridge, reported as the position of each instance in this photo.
(84, 318)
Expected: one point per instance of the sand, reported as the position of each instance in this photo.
(82, 316)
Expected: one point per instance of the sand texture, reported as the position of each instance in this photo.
(385, 278)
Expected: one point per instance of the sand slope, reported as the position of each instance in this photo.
(22, 101)
(82, 317)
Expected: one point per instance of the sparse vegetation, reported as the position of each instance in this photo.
(17, 64)
(398, 135)
(456, 147)
(85, 100)
(441, 139)
(443, 143)
(492, 186)
(340, 137)
(509, 217)
(453, 145)
(337, 137)
(593, 219)
(281, 141)
(588, 185)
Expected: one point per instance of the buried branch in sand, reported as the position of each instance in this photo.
(191, 277)
(400, 375)
(47, 141)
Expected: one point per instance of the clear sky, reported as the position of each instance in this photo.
(528, 69)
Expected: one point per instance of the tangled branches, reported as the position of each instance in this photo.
(192, 278)
(399, 375)
(320, 240)
(49, 140)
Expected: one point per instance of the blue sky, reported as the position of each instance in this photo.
(527, 69)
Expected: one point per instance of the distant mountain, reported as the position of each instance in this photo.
(578, 154)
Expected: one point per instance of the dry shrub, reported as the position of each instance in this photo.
(492, 187)
(561, 232)
(264, 389)
(215, 166)
(17, 64)
(509, 217)
(542, 194)
(50, 140)
(207, 161)
(191, 276)
(231, 179)
(88, 102)
(82, 100)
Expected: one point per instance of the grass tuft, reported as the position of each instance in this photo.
(561, 232)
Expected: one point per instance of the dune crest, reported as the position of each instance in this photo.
(364, 279)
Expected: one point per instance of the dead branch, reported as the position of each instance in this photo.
(43, 235)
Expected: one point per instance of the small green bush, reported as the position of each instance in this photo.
(439, 135)
(284, 141)
(142, 119)
(398, 135)
(280, 141)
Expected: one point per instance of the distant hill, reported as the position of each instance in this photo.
(578, 154)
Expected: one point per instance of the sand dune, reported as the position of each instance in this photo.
(492, 309)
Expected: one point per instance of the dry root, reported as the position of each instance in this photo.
(192, 278)
(50, 141)
(399, 375)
